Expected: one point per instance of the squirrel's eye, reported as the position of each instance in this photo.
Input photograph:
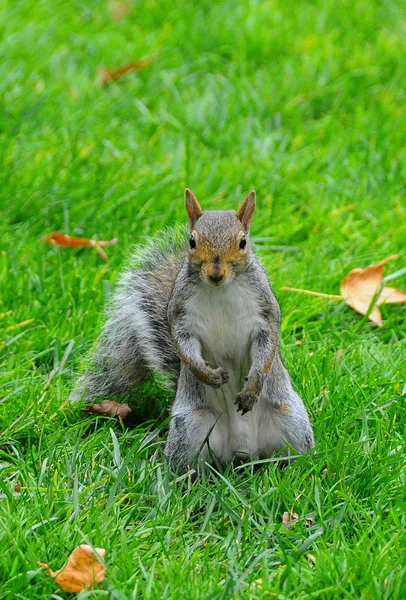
(192, 242)
(243, 242)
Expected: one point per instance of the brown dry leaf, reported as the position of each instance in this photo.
(61, 239)
(287, 518)
(360, 286)
(109, 408)
(105, 75)
(82, 570)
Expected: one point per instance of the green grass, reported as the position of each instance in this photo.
(302, 101)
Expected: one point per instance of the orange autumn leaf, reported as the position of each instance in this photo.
(104, 74)
(361, 286)
(109, 408)
(61, 239)
(82, 570)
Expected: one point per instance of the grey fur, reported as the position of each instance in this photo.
(121, 359)
(234, 396)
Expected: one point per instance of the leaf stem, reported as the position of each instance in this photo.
(311, 293)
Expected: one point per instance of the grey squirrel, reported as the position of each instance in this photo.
(208, 317)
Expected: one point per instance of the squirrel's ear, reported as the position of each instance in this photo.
(192, 207)
(244, 213)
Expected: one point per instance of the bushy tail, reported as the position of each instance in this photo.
(135, 341)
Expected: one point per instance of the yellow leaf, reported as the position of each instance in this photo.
(360, 287)
(82, 570)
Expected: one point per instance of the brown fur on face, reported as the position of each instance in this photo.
(217, 254)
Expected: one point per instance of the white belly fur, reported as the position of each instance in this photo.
(225, 319)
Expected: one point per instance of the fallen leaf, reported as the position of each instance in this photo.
(61, 239)
(310, 521)
(105, 75)
(109, 408)
(361, 286)
(287, 517)
(82, 570)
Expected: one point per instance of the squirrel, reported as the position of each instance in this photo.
(207, 315)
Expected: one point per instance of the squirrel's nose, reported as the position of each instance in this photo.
(216, 277)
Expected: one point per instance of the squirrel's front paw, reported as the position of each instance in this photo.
(218, 377)
(245, 401)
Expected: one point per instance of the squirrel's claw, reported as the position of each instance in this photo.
(243, 411)
(245, 401)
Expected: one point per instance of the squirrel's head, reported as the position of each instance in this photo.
(219, 239)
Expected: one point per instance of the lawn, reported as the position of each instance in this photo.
(303, 101)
